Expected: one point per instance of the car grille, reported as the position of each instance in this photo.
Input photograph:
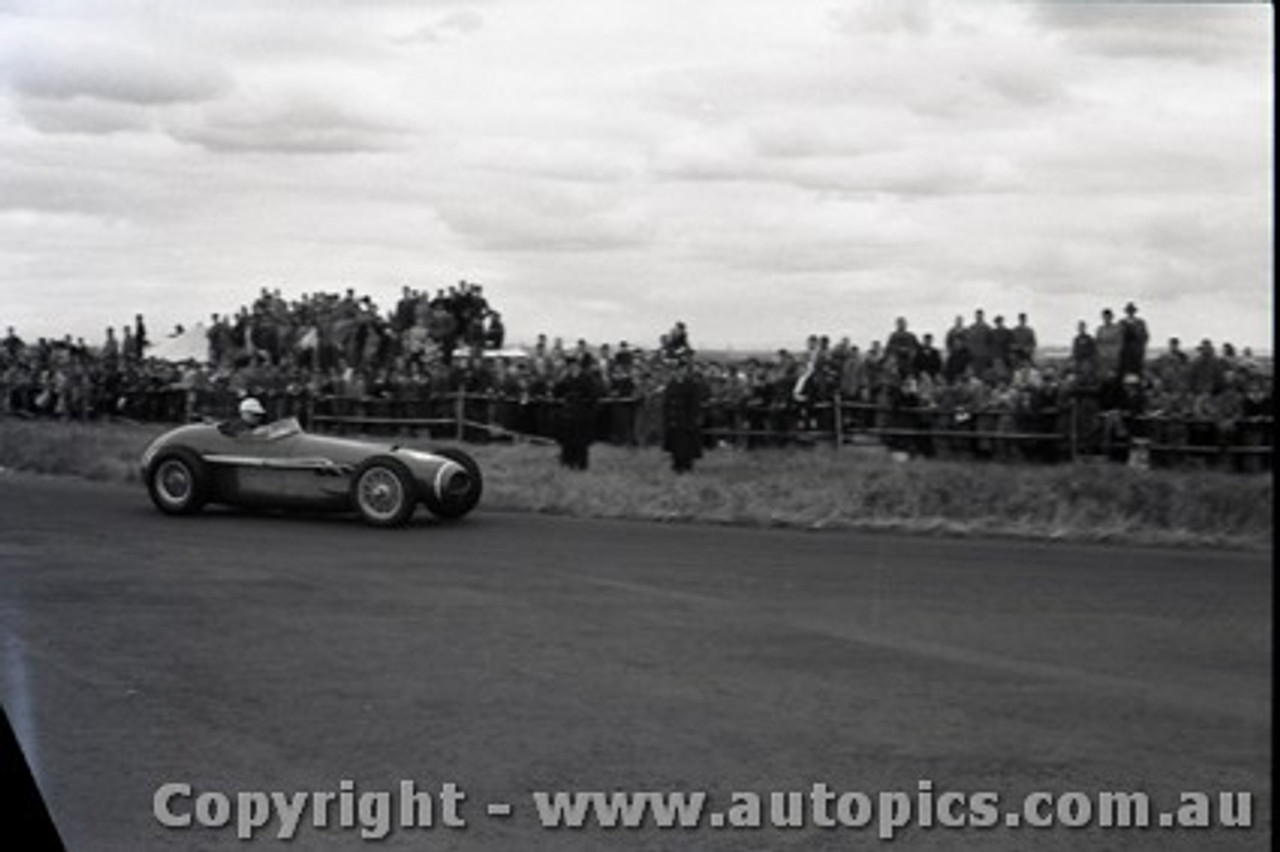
(457, 485)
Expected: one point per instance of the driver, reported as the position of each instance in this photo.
(252, 416)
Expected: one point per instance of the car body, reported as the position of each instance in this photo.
(279, 465)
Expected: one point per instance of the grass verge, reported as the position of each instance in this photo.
(817, 489)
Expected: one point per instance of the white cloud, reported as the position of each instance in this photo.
(84, 115)
(288, 124)
(1174, 32)
(60, 68)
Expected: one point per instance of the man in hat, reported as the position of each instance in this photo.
(579, 392)
(1133, 341)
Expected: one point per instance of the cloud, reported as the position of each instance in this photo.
(83, 115)
(448, 27)
(1177, 32)
(584, 160)
(899, 18)
(287, 123)
(119, 187)
(108, 71)
(551, 218)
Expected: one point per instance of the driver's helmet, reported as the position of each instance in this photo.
(252, 412)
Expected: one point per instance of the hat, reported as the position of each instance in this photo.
(251, 406)
(1131, 379)
(1130, 308)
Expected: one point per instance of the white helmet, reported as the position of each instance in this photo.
(251, 409)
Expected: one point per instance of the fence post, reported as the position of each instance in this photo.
(838, 412)
(1075, 416)
(459, 413)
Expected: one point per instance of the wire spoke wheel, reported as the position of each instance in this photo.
(383, 493)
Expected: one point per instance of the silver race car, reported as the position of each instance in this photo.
(278, 465)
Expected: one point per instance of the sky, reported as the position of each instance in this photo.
(760, 169)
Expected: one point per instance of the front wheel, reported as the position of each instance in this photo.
(384, 493)
(178, 482)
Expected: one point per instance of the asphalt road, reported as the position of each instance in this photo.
(511, 653)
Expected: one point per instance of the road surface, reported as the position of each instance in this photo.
(515, 653)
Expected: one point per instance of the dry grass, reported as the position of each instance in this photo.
(850, 489)
(106, 452)
(816, 489)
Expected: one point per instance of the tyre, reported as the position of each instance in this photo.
(384, 492)
(178, 482)
(453, 506)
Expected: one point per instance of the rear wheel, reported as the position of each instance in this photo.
(457, 501)
(178, 482)
(384, 492)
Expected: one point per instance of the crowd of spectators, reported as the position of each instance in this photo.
(341, 356)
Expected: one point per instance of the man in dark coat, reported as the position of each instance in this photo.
(1001, 340)
(682, 417)
(1024, 343)
(1133, 341)
(579, 392)
(928, 360)
(977, 339)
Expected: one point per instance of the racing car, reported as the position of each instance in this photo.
(277, 465)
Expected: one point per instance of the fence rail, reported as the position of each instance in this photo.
(1050, 434)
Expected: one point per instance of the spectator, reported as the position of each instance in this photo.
(1228, 356)
(977, 339)
(1133, 343)
(1024, 343)
(1205, 372)
(127, 347)
(140, 339)
(682, 400)
(12, 344)
(579, 392)
(675, 343)
(1171, 367)
(406, 310)
(957, 355)
(110, 353)
(1084, 354)
(1123, 405)
(1110, 340)
(928, 359)
(495, 333)
(1001, 346)
(902, 347)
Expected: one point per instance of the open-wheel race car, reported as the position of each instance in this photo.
(279, 466)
